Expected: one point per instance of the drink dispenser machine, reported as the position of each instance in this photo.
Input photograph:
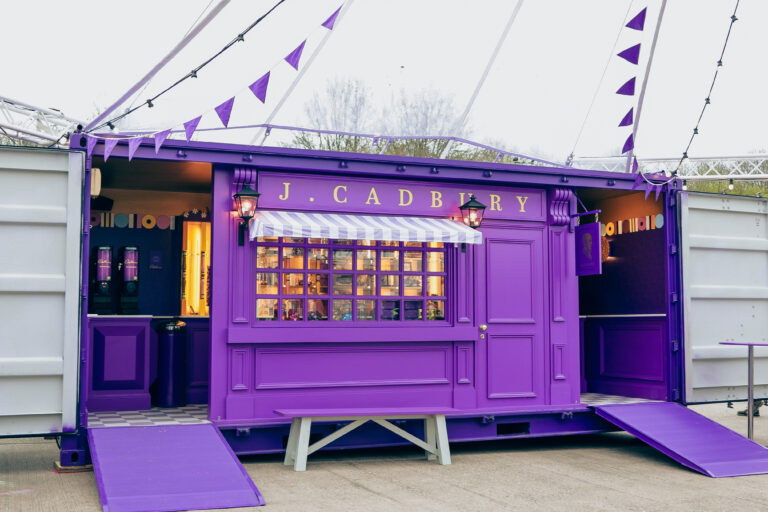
(101, 296)
(128, 268)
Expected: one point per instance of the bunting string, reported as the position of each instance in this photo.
(192, 74)
(707, 100)
(223, 110)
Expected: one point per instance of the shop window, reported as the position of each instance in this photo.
(322, 280)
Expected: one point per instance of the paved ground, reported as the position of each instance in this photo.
(589, 473)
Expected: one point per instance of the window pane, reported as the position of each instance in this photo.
(318, 259)
(366, 259)
(317, 309)
(293, 309)
(342, 259)
(389, 243)
(435, 310)
(436, 245)
(390, 310)
(266, 283)
(390, 260)
(435, 261)
(267, 239)
(294, 240)
(344, 242)
(412, 285)
(366, 284)
(366, 310)
(318, 240)
(266, 309)
(412, 310)
(436, 286)
(412, 261)
(342, 284)
(366, 242)
(412, 244)
(293, 257)
(342, 310)
(293, 284)
(390, 284)
(266, 257)
(317, 284)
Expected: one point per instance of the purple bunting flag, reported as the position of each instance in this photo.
(225, 110)
(330, 21)
(648, 188)
(90, 144)
(628, 89)
(160, 138)
(109, 145)
(259, 87)
(635, 166)
(629, 145)
(638, 22)
(190, 127)
(631, 54)
(133, 145)
(295, 55)
(627, 119)
(638, 181)
(658, 191)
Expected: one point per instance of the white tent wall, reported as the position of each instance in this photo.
(534, 101)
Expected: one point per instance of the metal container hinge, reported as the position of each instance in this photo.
(675, 394)
(675, 346)
(673, 249)
(567, 415)
(488, 419)
(242, 432)
(673, 297)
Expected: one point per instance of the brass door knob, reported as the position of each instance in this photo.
(483, 327)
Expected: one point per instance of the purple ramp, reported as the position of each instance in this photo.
(689, 438)
(165, 468)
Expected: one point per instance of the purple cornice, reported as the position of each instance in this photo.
(404, 167)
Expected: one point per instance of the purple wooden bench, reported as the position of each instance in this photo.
(435, 443)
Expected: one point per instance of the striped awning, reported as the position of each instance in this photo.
(361, 227)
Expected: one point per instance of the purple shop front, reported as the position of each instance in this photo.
(355, 287)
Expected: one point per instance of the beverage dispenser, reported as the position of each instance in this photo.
(101, 291)
(129, 272)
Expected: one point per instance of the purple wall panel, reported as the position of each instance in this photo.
(198, 343)
(632, 282)
(352, 366)
(627, 356)
(118, 371)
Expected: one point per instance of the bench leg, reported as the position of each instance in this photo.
(302, 444)
(290, 449)
(443, 450)
(430, 435)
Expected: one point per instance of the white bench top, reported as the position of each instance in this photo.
(372, 411)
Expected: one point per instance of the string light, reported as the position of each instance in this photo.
(192, 74)
(707, 100)
(730, 184)
(685, 184)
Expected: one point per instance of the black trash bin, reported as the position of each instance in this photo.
(170, 389)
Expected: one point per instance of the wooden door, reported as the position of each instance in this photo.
(511, 355)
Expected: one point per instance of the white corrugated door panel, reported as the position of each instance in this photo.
(725, 288)
(40, 229)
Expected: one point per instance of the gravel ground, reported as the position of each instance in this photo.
(592, 473)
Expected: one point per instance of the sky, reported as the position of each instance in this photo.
(550, 92)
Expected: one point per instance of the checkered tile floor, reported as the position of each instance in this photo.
(188, 415)
(601, 399)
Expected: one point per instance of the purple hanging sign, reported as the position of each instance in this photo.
(589, 259)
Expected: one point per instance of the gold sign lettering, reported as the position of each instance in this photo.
(336, 194)
(496, 203)
(522, 200)
(403, 192)
(373, 197)
(437, 199)
(284, 196)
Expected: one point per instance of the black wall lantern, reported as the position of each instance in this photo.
(246, 202)
(472, 212)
